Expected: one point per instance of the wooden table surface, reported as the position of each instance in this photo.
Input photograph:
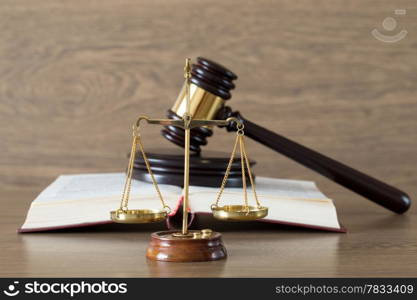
(378, 244)
(74, 75)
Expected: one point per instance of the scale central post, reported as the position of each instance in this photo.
(187, 122)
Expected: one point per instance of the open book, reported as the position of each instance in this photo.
(87, 199)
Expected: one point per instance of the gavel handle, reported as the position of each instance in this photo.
(367, 186)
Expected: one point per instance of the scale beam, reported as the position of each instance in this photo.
(164, 122)
(186, 123)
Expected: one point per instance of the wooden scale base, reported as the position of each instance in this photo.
(197, 245)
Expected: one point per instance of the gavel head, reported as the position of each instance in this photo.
(210, 86)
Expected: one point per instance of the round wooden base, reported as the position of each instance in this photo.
(199, 245)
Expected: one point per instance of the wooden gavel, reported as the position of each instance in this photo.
(210, 89)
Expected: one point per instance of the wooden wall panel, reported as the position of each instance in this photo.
(75, 74)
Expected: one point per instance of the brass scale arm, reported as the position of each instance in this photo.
(190, 124)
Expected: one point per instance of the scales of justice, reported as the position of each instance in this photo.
(189, 245)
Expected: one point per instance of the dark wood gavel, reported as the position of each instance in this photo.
(210, 89)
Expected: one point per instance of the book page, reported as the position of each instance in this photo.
(95, 186)
(267, 188)
(89, 198)
(289, 201)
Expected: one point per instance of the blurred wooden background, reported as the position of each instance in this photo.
(75, 74)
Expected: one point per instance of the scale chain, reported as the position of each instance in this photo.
(128, 182)
(127, 187)
(242, 161)
(245, 164)
(252, 182)
(226, 175)
(148, 167)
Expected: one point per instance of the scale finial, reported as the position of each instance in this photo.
(187, 76)
(187, 68)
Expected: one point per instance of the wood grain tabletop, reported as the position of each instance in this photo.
(378, 244)
(75, 74)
